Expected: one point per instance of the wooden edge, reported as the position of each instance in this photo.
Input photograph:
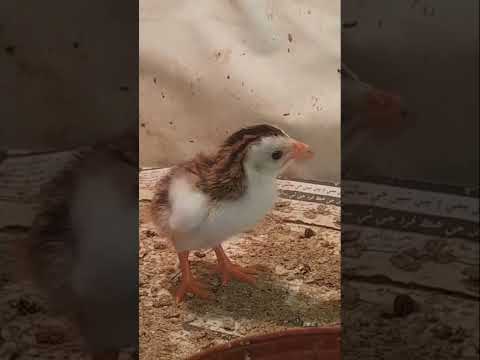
(246, 342)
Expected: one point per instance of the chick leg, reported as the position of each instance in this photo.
(229, 270)
(188, 283)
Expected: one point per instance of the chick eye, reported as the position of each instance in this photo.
(276, 155)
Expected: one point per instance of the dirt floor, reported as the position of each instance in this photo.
(298, 286)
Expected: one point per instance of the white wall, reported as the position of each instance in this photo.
(188, 51)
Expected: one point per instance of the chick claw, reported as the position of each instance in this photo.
(231, 271)
(189, 285)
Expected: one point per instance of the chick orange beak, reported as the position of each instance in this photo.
(301, 151)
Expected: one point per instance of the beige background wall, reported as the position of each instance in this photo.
(208, 70)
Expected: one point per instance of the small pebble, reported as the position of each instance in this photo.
(150, 233)
(228, 324)
(403, 305)
(162, 302)
(280, 270)
(172, 315)
(190, 317)
(304, 269)
(308, 233)
(199, 254)
(290, 277)
(159, 246)
(200, 335)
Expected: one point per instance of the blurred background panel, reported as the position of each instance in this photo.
(426, 52)
(68, 73)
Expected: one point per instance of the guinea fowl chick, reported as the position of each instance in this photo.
(204, 201)
(82, 252)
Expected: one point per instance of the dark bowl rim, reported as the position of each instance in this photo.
(257, 339)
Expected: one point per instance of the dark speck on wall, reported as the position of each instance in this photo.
(143, 125)
(76, 44)
(170, 122)
(10, 50)
(154, 80)
(191, 141)
(286, 114)
(380, 23)
(290, 37)
(350, 24)
(228, 77)
(288, 50)
(123, 88)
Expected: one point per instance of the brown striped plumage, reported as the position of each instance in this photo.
(221, 176)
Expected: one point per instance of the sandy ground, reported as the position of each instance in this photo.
(298, 286)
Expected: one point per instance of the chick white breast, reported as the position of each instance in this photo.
(205, 224)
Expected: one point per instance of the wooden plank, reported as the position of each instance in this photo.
(399, 254)
(410, 247)
(411, 234)
(411, 200)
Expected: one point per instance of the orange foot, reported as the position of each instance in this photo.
(230, 271)
(190, 285)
